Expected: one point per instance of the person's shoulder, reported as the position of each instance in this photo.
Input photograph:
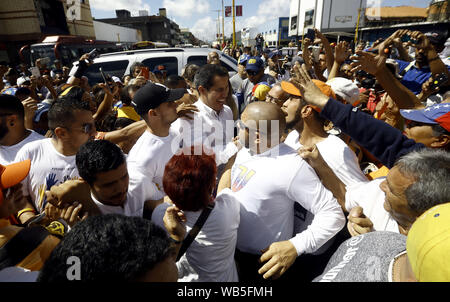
(37, 144)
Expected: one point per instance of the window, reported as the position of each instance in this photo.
(294, 23)
(114, 68)
(201, 60)
(197, 60)
(171, 64)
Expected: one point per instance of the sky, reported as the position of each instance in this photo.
(200, 16)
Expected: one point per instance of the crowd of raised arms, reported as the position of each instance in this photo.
(329, 165)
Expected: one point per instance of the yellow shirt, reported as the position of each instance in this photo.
(128, 112)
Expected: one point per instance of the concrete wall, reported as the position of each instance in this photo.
(109, 32)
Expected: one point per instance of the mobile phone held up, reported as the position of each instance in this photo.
(145, 72)
(438, 81)
(311, 34)
(105, 79)
(93, 54)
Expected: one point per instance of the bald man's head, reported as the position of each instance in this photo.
(258, 112)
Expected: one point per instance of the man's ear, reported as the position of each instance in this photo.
(441, 142)
(152, 113)
(61, 133)
(202, 90)
(306, 111)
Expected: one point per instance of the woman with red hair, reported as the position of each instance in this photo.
(189, 181)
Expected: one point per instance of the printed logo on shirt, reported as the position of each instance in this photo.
(242, 178)
(50, 181)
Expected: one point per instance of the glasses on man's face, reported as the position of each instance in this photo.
(85, 128)
(273, 100)
(412, 124)
(252, 73)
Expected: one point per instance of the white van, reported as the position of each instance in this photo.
(174, 59)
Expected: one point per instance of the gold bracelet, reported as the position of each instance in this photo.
(25, 211)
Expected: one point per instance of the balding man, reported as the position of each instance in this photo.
(268, 178)
(277, 95)
(213, 58)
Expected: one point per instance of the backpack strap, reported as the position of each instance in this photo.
(21, 245)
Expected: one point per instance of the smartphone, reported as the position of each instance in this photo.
(93, 54)
(145, 72)
(438, 81)
(104, 77)
(311, 34)
(35, 71)
(315, 50)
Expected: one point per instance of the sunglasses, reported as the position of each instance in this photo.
(412, 124)
(85, 128)
(252, 72)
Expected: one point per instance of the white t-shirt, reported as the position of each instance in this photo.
(267, 186)
(48, 168)
(132, 207)
(214, 130)
(210, 258)
(8, 153)
(146, 162)
(338, 156)
(371, 198)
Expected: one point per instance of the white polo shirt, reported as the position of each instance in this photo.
(214, 130)
(267, 186)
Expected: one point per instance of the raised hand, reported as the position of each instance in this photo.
(368, 62)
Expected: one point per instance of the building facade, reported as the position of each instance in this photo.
(275, 32)
(153, 28)
(29, 21)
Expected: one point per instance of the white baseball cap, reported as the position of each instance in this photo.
(345, 88)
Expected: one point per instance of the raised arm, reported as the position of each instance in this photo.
(376, 65)
(386, 143)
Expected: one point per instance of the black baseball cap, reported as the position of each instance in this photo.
(152, 95)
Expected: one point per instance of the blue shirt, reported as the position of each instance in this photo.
(414, 77)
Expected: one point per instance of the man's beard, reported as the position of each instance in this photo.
(3, 129)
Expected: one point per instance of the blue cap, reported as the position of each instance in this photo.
(435, 114)
(243, 59)
(41, 109)
(274, 53)
(255, 64)
(10, 91)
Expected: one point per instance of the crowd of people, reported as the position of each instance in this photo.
(329, 165)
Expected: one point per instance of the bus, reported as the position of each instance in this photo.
(67, 49)
(149, 44)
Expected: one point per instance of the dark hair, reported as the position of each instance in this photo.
(189, 179)
(173, 80)
(62, 111)
(12, 104)
(205, 75)
(122, 122)
(125, 97)
(110, 247)
(189, 72)
(75, 92)
(23, 92)
(133, 67)
(97, 156)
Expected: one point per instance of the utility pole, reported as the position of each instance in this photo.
(218, 22)
(223, 25)
(234, 25)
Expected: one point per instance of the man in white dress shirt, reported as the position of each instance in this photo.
(213, 124)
